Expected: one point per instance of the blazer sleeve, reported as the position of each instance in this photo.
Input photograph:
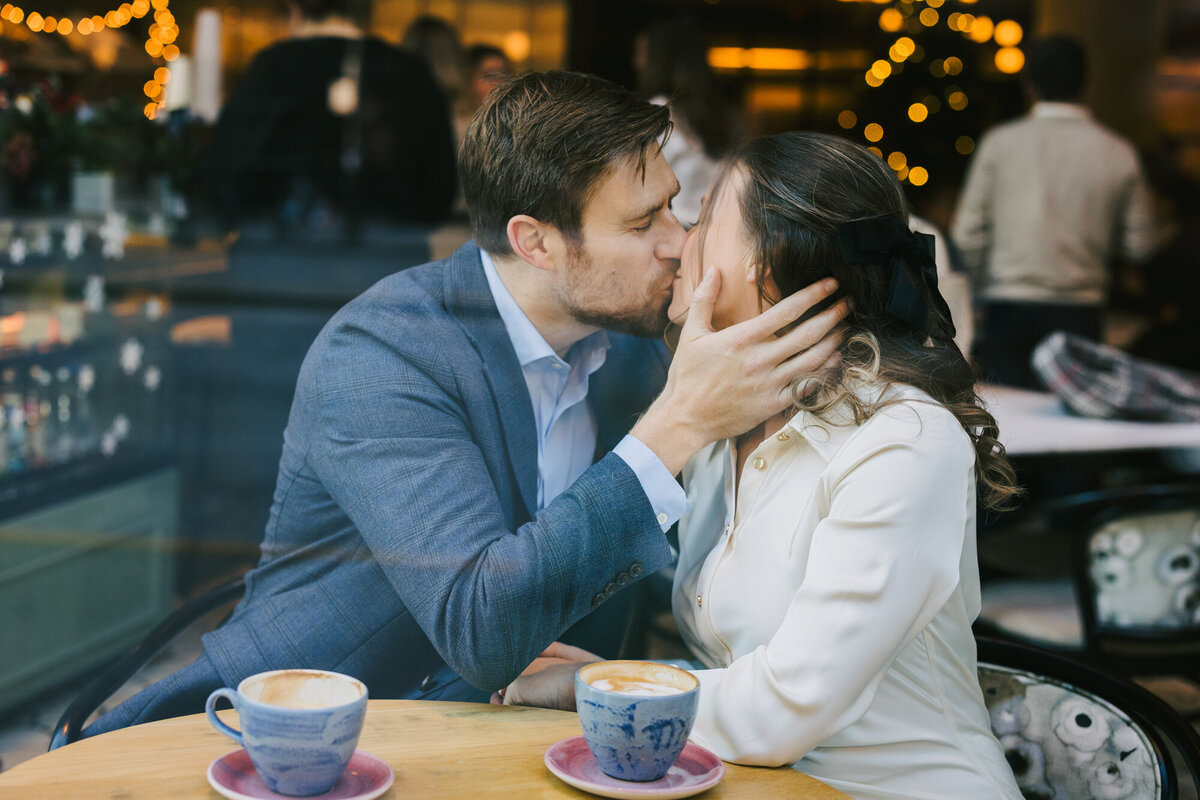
(882, 564)
(397, 453)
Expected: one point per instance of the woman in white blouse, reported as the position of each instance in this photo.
(827, 574)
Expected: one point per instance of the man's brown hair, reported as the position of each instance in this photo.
(540, 144)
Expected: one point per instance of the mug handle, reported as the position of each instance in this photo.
(210, 709)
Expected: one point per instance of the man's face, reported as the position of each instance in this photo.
(620, 277)
(490, 73)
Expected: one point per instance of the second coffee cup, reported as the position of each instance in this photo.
(635, 715)
(299, 726)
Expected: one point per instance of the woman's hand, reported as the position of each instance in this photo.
(550, 687)
(551, 690)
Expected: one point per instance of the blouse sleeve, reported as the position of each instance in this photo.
(882, 563)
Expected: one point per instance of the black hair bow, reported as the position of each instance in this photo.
(908, 257)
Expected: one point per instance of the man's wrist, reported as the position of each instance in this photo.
(670, 438)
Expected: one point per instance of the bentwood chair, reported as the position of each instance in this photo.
(102, 686)
(1132, 601)
(1072, 732)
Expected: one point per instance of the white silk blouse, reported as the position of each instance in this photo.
(832, 598)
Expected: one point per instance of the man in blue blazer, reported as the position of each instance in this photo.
(465, 477)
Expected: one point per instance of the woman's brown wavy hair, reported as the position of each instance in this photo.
(799, 187)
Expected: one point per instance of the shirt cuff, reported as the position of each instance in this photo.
(665, 494)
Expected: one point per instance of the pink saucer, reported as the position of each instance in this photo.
(696, 770)
(366, 776)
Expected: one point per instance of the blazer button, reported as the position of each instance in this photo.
(610, 588)
(426, 682)
(597, 599)
(623, 579)
(635, 569)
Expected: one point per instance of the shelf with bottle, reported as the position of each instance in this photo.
(95, 402)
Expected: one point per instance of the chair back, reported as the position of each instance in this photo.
(1071, 732)
(112, 677)
(1143, 571)
(1137, 575)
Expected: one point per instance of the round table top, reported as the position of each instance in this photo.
(437, 749)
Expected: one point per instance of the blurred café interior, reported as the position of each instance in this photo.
(154, 314)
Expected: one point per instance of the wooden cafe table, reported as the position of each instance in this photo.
(437, 750)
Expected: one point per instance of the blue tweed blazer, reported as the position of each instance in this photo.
(403, 538)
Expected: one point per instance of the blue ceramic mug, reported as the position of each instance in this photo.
(636, 715)
(299, 726)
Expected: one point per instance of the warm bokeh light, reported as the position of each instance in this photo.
(112, 19)
(917, 112)
(905, 46)
(953, 65)
(881, 69)
(162, 75)
(929, 17)
(151, 110)
(760, 58)
(934, 3)
(891, 20)
(873, 81)
(1010, 60)
(50, 25)
(84, 26)
(876, 151)
(152, 89)
(171, 52)
(847, 119)
(902, 173)
(963, 145)
(35, 22)
(954, 21)
(937, 68)
(16, 15)
(932, 103)
(98, 23)
(1008, 33)
(957, 100)
(897, 160)
(982, 30)
(154, 47)
(873, 132)
(918, 176)
(517, 46)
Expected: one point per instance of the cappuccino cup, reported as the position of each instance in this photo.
(299, 726)
(635, 715)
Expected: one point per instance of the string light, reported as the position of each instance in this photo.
(847, 119)
(873, 132)
(159, 44)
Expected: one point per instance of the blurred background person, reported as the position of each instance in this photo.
(1051, 200)
(437, 43)
(332, 123)
(488, 68)
(671, 65)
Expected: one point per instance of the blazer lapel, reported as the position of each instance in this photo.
(469, 299)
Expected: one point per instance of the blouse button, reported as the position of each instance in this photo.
(783, 437)
(759, 463)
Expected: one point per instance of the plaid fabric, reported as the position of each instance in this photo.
(1098, 381)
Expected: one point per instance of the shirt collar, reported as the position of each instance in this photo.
(529, 344)
(1047, 109)
(827, 433)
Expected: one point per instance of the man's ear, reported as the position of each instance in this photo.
(535, 242)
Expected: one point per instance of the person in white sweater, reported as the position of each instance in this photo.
(827, 576)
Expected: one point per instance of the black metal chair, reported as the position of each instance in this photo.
(102, 686)
(1072, 732)
(1132, 601)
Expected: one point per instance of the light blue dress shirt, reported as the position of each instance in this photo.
(565, 424)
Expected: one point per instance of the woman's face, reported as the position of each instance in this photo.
(725, 249)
